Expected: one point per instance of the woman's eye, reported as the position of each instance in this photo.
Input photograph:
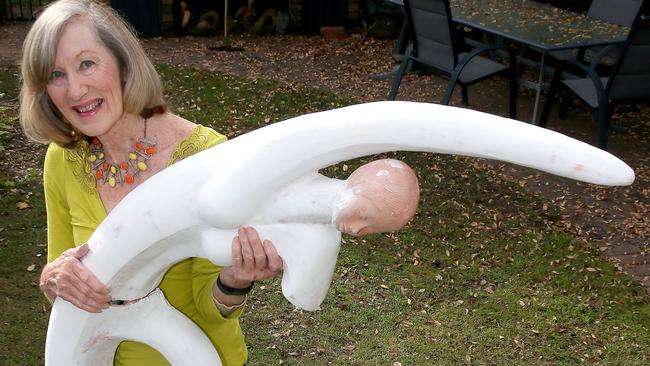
(86, 64)
(56, 74)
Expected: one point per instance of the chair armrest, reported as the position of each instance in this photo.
(462, 63)
(602, 53)
(478, 51)
(595, 78)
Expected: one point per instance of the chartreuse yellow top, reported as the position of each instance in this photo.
(74, 210)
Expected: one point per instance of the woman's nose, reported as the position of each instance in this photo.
(77, 87)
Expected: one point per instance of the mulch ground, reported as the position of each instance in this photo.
(616, 219)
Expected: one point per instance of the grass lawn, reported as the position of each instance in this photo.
(478, 277)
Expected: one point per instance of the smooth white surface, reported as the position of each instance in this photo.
(147, 321)
(267, 179)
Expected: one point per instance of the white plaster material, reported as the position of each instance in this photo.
(147, 321)
(267, 179)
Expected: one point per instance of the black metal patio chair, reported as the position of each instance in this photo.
(434, 44)
(629, 82)
(622, 12)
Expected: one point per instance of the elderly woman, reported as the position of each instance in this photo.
(91, 93)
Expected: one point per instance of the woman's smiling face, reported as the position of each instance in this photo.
(85, 83)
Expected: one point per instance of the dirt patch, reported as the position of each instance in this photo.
(615, 219)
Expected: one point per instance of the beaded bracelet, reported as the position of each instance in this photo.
(231, 291)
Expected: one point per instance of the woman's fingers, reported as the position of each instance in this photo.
(259, 254)
(274, 260)
(237, 259)
(68, 278)
(253, 259)
(80, 297)
(81, 251)
(88, 280)
(248, 258)
(83, 287)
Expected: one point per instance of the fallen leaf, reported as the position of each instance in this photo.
(22, 205)
(349, 348)
(31, 267)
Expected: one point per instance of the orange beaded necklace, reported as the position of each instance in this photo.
(125, 172)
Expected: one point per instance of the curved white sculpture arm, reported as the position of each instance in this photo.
(333, 136)
(98, 335)
(263, 178)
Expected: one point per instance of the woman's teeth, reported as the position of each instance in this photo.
(90, 107)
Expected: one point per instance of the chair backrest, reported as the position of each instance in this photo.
(622, 12)
(433, 32)
(630, 79)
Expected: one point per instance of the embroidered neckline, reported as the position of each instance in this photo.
(195, 142)
(82, 169)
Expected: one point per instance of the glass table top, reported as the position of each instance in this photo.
(535, 24)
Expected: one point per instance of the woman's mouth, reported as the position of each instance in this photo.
(89, 108)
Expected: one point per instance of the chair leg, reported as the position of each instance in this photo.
(513, 84)
(564, 106)
(448, 93)
(398, 78)
(603, 116)
(463, 93)
(550, 98)
(514, 90)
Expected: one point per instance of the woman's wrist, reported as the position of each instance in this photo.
(231, 306)
(225, 299)
(239, 289)
(227, 277)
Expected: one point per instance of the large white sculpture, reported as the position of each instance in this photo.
(268, 179)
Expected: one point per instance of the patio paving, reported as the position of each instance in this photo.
(616, 220)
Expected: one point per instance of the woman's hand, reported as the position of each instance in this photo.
(252, 260)
(67, 277)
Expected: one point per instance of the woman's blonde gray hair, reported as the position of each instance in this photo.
(142, 90)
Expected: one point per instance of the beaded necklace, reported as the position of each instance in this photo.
(126, 171)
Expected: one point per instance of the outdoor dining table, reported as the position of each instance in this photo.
(536, 25)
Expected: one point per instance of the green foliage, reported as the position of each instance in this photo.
(8, 126)
(234, 105)
(9, 82)
(478, 277)
(22, 253)
(9, 89)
